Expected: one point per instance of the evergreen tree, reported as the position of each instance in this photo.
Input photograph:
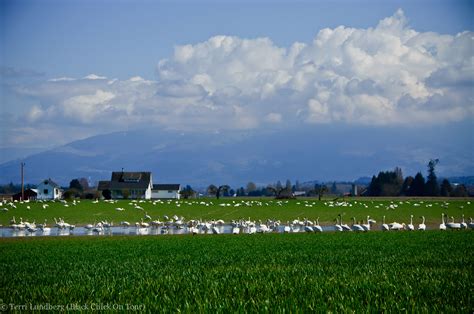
(288, 184)
(75, 184)
(279, 186)
(241, 191)
(387, 183)
(188, 192)
(431, 186)
(418, 186)
(446, 188)
(406, 186)
(375, 187)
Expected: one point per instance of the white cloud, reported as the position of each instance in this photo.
(61, 79)
(35, 113)
(385, 75)
(94, 77)
(273, 117)
(86, 107)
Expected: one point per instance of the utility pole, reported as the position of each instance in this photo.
(22, 182)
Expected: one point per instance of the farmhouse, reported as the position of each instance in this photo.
(48, 190)
(165, 191)
(127, 185)
(30, 194)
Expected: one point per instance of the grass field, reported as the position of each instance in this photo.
(421, 272)
(85, 212)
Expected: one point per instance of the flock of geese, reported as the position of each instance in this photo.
(235, 226)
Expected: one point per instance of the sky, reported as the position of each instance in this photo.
(75, 69)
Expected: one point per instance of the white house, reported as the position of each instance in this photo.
(48, 190)
(166, 191)
(130, 185)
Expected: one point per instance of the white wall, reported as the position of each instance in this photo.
(53, 192)
(165, 194)
(148, 192)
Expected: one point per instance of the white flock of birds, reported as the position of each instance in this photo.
(236, 226)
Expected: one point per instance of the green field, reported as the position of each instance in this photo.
(421, 272)
(85, 212)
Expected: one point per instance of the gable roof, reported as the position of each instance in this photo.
(166, 187)
(49, 182)
(103, 185)
(130, 180)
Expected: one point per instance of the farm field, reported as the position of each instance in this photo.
(421, 272)
(87, 212)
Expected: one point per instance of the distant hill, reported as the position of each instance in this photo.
(466, 180)
(363, 180)
(235, 158)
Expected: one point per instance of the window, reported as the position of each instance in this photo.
(45, 191)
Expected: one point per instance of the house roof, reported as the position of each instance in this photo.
(50, 182)
(28, 192)
(103, 185)
(130, 180)
(166, 187)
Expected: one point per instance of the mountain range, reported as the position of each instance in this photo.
(325, 153)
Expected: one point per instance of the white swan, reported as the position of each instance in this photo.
(337, 226)
(453, 225)
(367, 225)
(252, 230)
(345, 227)
(463, 223)
(471, 223)
(422, 226)
(385, 227)
(397, 226)
(317, 227)
(144, 224)
(356, 227)
(442, 226)
(410, 226)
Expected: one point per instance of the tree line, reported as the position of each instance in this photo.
(392, 183)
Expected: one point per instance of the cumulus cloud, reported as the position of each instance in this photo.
(389, 74)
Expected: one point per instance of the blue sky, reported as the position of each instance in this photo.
(127, 38)
(75, 69)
